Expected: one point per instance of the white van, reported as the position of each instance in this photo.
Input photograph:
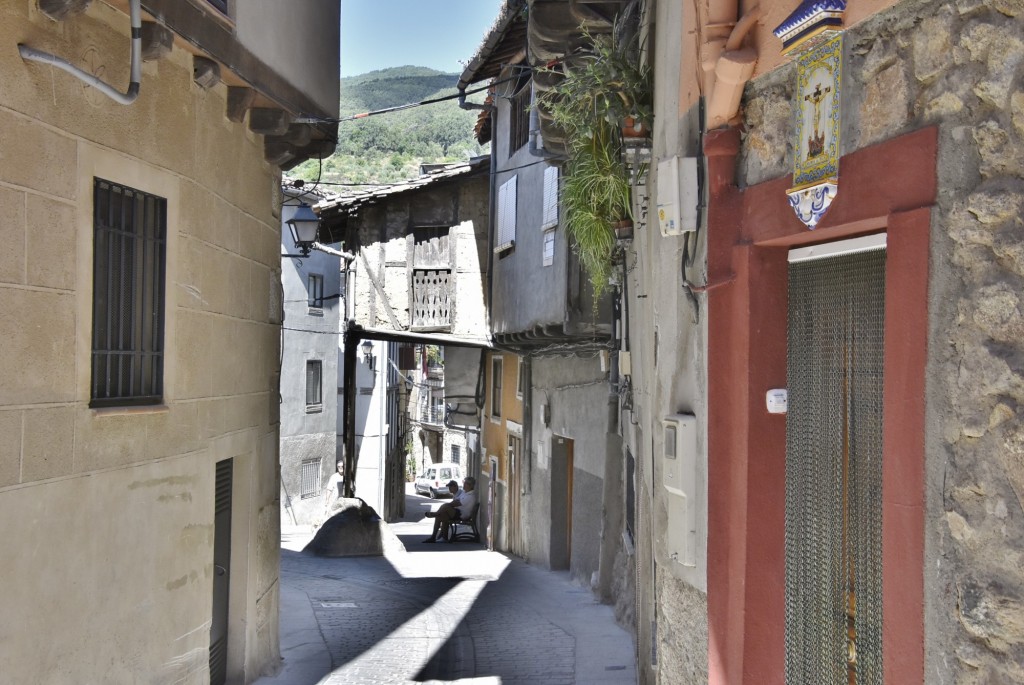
(434, 479)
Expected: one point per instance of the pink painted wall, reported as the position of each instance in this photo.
(750, 232)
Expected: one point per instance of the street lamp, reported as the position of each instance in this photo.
(304, 225)
(367, 348)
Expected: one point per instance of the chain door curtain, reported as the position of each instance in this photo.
(834, 471)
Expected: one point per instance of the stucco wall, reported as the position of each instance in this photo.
(578, 396)
(309, 333)
(956, 65)
(462, 377)
(111, 512)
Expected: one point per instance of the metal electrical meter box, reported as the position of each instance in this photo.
(680, 480)
(677, 195)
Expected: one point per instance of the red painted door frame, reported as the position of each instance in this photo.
(887, 187)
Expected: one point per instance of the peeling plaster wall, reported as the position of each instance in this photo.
(958, 65)
(108, 542)
(667, 333)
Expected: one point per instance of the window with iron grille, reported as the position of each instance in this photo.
(519, 119)
(496, 373)
(129, 253)
(310, 478)
(456, 454)
(313, 377)
(315, 290)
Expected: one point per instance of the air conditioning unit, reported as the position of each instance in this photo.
(679, 478)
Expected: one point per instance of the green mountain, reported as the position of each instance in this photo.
(390, 147)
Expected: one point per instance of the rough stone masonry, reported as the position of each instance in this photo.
(958, 65)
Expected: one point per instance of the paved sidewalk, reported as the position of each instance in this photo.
(440, 614)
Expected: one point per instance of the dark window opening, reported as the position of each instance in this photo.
(313, 385)
(497, 369)
(519, 118)
(129, 255)
(424, 234)
(315, 290)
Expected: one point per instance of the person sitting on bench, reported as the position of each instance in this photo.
(461, 504)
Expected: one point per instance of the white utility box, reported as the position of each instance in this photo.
(679, 477)
(677, 195)
(777, 401)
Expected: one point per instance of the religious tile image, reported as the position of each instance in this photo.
(817, 114)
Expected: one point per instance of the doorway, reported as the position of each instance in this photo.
(833, 512)
(561, 502)
(221, 572)
(515, 494)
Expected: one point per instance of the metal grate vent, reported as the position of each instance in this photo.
(310, 478)
(834, 471)
(222, 496)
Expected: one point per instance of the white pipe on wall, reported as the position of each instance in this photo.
(733, 69)
(135, 14)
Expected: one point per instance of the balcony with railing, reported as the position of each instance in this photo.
(431, 410)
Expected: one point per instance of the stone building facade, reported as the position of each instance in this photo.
(954, 68)
(141, 509)
(930, 156)
(418, 278)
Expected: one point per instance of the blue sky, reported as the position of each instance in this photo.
(376, 34)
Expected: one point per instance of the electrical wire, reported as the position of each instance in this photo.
(400, 108)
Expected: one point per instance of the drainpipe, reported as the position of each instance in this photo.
(732, 69)
(720, 22)
(135, 14)
(347, 256)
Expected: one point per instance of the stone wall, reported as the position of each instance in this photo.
(956, 65)
(110, 528)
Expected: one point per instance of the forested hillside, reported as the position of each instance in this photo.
(390, 147)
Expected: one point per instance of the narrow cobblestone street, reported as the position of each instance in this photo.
(440, 614)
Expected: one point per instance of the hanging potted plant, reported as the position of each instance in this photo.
(596, 196)
(605, 89)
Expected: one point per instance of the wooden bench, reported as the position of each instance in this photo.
(471, 535)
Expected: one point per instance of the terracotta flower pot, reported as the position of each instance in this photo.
(633, 128)
(623, 229)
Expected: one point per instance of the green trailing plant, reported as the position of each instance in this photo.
(434, 357)
(601, 87)
(595, 195)
(606, 81)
